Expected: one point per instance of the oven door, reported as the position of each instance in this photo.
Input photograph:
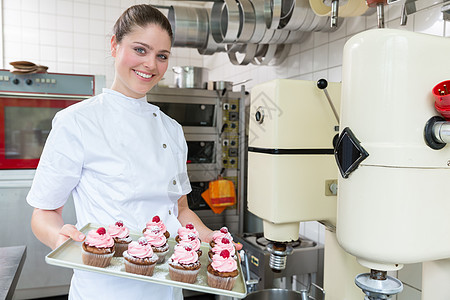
(26, 122)
(204, 152)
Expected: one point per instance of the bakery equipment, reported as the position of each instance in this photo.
(390, 187)
(28, 103)
(213, 124)
(306, 258)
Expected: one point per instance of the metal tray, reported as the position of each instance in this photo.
(68, 255)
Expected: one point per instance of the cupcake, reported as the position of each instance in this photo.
(194, 242)
(156, 221)
(222, 271)
(139, 258)
(183, 232)
(223, 244)
(218, 235)
(98, 248)
(184, 264)
(158, 242)
(121, 237)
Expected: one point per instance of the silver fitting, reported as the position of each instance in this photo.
(278, 255)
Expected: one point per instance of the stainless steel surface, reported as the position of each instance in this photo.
(378, 289)
(275, 294)
(278, 256)
(12, 260)
(190, 77)
(380, 15)
(190, 26)
(441, 132)
(306, 259)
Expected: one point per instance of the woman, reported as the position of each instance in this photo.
(119, 156)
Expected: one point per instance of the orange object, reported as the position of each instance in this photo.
(220, 194)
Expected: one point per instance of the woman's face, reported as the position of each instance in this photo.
(141, 59)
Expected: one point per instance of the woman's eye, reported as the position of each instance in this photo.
(162, 56)
(140, 50)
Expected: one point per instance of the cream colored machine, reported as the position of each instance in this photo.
(292, 173)
(393, 206)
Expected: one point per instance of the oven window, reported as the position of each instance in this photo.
(26, 130)
(189, 114)
(201, 152)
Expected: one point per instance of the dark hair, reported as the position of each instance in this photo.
(140, 15)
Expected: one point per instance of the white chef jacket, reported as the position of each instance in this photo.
(122, 159)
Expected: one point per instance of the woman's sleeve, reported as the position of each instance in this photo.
(60, 164)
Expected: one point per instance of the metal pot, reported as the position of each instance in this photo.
(276, 294)
(190, 77)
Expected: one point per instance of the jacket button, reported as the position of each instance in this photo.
(164, 146)
(174, 182)
(170, 212)
(154, 114)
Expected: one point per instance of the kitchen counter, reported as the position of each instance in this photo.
(11, 263)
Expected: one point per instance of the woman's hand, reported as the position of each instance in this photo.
(238, 246)
(69, 231)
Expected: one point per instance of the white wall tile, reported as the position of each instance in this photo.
(98, 42)
(81, 40)
(13, 50)
(64, 23)
(11, 4)
(80, 10)
(340, 32)
(62, 67)
(47, 6)
(64, 39)
(307, 43)
(96, 27)
(30, 52)
(97, 56)
(81, 25)
(12, 34)
(320, 38)
(335, 74)
(47, 21)
(29, 5)
(12, 18)
(47, 37)
(356, 24)
(30, 19)
(31, 36)
(306, 62)
(96, 12)
(320, 58)
(64, 8)
(112, 13)
(81, 56)
(335, 52)
(65, 54)
(48, 53)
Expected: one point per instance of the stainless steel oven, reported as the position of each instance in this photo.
(214, 126)
(28, 104)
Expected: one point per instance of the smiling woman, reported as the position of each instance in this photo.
(119, 156)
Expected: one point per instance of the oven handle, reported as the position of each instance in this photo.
(46, 96)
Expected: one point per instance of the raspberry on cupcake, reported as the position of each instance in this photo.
(184, 232)
(194, 241)
(184, 264)
(222, 271)
(218, 235)
(224, 244)
(156, 221)
(98, 248)
(158, 242)
(140, 258)
(121, 236)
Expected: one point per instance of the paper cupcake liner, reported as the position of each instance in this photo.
(225, 283)
(188, 276)
(161, 256)
(120, 248)
(96, 260)
(146, 270)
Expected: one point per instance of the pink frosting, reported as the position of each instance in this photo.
(183, 256)
(137, 250)
(217, 236)
(119, 232)
(195, 243)
(184, 232)
(155, 236)
(218, 247)
(99, 240)
(223, 264)
(160, 224)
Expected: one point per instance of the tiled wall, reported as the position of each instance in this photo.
(72, 36)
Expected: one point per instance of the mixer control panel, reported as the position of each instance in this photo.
(230, 133)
